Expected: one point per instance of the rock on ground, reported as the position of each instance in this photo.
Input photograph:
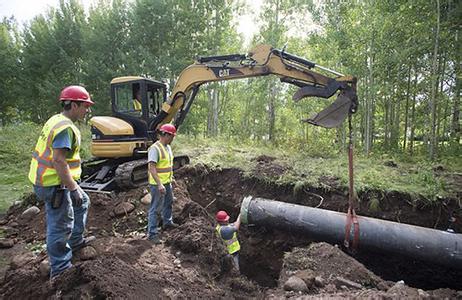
(295, 284)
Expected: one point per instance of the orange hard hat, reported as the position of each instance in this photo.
(168, 128)
(75, 93)
(222, 216)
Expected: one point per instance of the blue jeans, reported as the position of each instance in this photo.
(162, 204)
(65, 227)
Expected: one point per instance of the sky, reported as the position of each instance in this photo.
(25, 10)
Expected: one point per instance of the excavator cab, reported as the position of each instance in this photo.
(137, 97)
(119, 140)
(135, 101)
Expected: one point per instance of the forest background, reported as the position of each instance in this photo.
(405, 54)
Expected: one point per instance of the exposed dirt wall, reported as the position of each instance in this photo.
(189, 263)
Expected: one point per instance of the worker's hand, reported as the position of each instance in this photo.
(76, 197)
(161, 189)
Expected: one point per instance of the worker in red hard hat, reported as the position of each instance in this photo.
(160, 172)
(55, 171)
(228, 233)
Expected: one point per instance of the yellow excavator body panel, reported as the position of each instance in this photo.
(112, 126)
(110, 148)
(124, 79)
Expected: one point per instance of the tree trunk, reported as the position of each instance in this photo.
(272, 110)
(446, 119)
(412, 123)
(434, 81)
(439, 116)
(392, 119)
(212, 118)
(369, 102)
(386, 117)
(395, 121)
(272, 88)
(406, 109)
(455, 125)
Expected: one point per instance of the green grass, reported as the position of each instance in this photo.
(15, 154)
(413, 175)
(18, 142)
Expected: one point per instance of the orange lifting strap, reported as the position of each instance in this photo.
(351, 215)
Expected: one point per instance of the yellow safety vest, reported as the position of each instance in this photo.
(232, 244)
(136, 104)
(42, 171)
(164, 165)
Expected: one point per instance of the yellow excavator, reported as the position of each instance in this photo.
(140, 106)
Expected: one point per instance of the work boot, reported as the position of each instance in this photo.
(86, 241)
(155, 240)
(169, 226)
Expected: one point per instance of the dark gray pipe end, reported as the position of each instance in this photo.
(245, 209)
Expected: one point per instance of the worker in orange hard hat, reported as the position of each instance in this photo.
(160, 172)
(228, 233)
(55, 171)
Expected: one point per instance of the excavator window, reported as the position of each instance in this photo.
(128, 99)
(156, 97)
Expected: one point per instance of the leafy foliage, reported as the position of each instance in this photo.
(405, 103)
(406, 56)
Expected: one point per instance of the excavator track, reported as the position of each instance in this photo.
(134, 173)
(131, 174)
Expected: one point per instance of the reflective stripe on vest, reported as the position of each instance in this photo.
(42, 172)
(232, 244)
(49, 163)
(164, 166)
(136, 104)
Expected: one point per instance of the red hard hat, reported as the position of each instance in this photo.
(75, 93)
(222, 216)
(168, 128)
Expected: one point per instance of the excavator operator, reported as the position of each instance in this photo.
(137, 97)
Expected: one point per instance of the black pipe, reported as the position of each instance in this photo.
(431, 245)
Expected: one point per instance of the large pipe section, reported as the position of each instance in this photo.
(426, 244)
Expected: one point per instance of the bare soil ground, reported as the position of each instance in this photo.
(188, 264)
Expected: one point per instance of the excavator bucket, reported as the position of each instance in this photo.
(334, 115)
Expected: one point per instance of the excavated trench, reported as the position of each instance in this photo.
(188, 263)
(262, 249)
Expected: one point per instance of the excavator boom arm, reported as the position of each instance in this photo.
(262, 61)
(129, 171)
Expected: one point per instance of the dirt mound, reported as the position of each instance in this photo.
(189, 262)
(329, 263)
(267, 167)
(326, 271)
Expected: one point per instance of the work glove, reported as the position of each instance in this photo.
(76, 197)
(162, 189)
